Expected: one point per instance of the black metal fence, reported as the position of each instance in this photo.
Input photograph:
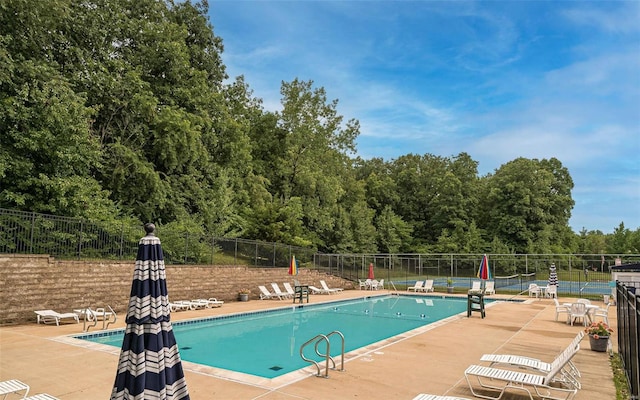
(628, 310)
(73, 238)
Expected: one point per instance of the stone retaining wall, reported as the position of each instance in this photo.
(39, 282)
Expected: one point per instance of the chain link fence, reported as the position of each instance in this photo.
(586, 275)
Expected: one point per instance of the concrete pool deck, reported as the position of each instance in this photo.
(430, 361)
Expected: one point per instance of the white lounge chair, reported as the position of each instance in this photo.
(569, 373)
(317, 290)
(490, 287)
(193, 305)
(476, 287)
(174, 307)
(428, 286)
(41, 396)
(265, 294)
(281, 295)
(541, 385)
(211, 302)
(424, 396)
(417, 286)
(290, 291)
(50, 317)
(326, 287)
(13, 386)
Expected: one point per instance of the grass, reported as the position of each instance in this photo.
(619, 378)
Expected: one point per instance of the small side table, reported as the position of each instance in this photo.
(475, 302)
(300, 291)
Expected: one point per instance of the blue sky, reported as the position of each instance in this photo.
(497, 80)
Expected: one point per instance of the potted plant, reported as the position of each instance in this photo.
(599, 333)
(449, 285)
(243, 294)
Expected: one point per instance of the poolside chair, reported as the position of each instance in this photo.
(362, 284)
(534, 290)
(476, 287)
(178, 307)
(289, 289)
(562, 309)
(193, 304)
(602, 312)
(504, 379)
(578, 311)
(265, 294)
(13, 386)
(490, 287)
(374, 284)
(211, 302)
(41, 396)
(279, 293)
(316, 290)
(380, 284)
(551, 291)
(50, 317)
(326, 287)
(424, 396)
(428, 286)
(417, 286)
(569, 373)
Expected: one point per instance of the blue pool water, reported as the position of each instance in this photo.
(267, 343)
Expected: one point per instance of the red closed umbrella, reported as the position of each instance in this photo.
(371, 276)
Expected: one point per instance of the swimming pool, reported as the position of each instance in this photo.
(267, 343)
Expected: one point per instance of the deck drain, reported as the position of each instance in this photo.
(275, 368)
(185, 348)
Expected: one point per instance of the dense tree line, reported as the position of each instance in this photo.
(121, 109)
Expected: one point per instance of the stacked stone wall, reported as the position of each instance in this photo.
(40, 282)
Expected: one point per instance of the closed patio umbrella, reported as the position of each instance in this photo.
(371, 274)
(149, 366)
(553, 275)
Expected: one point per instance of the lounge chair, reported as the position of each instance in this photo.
(178, 307)
(265, 294)
(13, 386)
(541, 385)
(476, 287)
(290, 291)
(316, 290)
(193, 304)
(417, 286)
(211, 302)
(423, 396)
(428, 286)
(41, 396)
(50, 316)
(569, 373)
(490, 287)
(279, 293)
(326, 287)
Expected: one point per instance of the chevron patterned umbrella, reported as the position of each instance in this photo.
(553, 275)
(149, 366)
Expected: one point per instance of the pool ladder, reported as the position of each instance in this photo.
(105, 321)
(316, 340)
